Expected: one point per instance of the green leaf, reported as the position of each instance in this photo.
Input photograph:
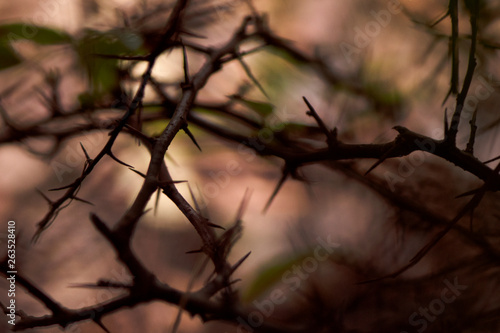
(273, 274)
(295, 128)
(275, 271)
(37, 34)
(379, 91)
(279, 52)
(113, 42)
(263, 109)
(130, 40)
(156, 127)
(206, 111)
(8, 57)
(87, 100)
(104, 72)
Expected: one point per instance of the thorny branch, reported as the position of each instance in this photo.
(183, 111)
(171, 29)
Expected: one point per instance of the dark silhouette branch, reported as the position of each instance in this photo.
(216, 299)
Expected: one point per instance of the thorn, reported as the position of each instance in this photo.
(476, 199)
(101, 226)
(157, 200)
(194, 200)
(250, 75)
(45, 197)
(194, 251)
(4, 308)
(110, 154)
(379, 161)
(145, 212)
(473, 128)
(471, 192)
(276, 190)
(331, 136)
(138, 172)
(37, 235)
(139, 118)
(446, 97)
(120, 57)
(87, 157)
(140, 134)
(401, 130)
(441, 18)
(100, 284)
(164, 184)
(234, 281)
(191, 136)
(82, 200)
(492, 160)
(44, 224)
(334, 133)
(228, 239)
(239, 262)
(186, 65)
(101, 325)
(84, 285)
(191, 34)
(213, 225)
(243, 204)
(203, 204)
(62, 187)
(454, 47)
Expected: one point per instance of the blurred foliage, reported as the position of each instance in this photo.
(96, 50)
(14, 32)
(261, 108)
(8, 56)
(279, 269)
(272, 273)
(30, 32)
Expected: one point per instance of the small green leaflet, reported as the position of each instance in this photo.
(290, 58)
(272, 274)
(104, 72)
(14, 32)
(41, 35)
(112, 42)
(8, 57)
(263, 109)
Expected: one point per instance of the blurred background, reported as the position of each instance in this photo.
(386, 65)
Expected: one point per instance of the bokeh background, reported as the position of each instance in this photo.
(401, 69)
